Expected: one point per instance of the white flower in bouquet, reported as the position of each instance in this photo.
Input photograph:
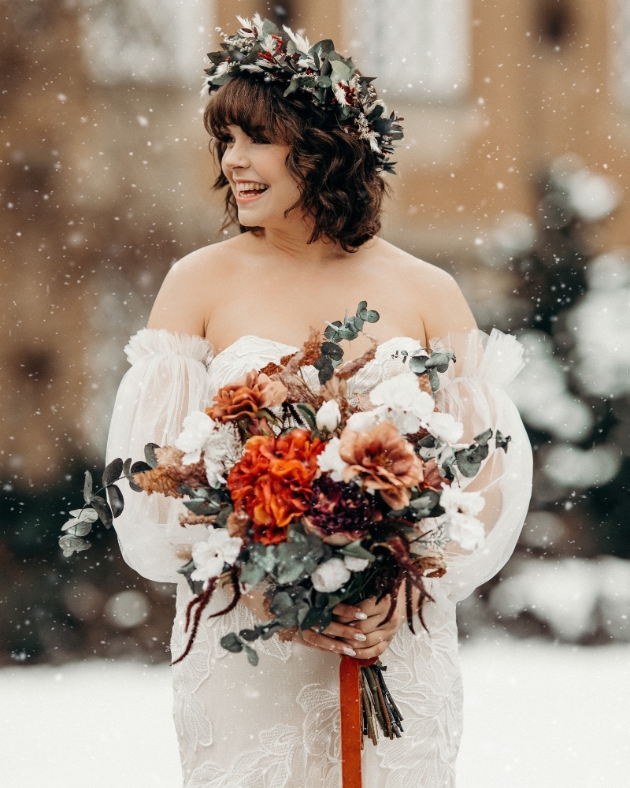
(221, 451)
(198, 427)
(330, 576)
(461, 509)
(355, 564)
(210, 556)
(328, 416)
(330, 461)
(444, 427)
(403, 392)
(365, 420)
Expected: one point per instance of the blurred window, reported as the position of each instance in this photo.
(417, 48)
(149, 41)
(620, 46)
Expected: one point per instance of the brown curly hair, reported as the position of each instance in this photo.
(337, 174)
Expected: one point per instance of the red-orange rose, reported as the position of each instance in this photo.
(272, 482)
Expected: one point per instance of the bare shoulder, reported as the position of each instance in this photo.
(439, 298)
(182, 303)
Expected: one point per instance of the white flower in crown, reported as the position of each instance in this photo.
(211, 556)
(329, 461)
(460, 518)
(198, 427)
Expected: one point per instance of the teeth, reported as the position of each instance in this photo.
(250, 187)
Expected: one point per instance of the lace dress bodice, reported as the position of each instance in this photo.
(277, 725)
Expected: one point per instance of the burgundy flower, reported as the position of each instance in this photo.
(339, 513)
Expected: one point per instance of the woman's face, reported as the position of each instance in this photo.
(259, 179)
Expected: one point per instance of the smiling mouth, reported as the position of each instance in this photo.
(250, 190)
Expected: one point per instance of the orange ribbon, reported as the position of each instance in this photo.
(351, 731)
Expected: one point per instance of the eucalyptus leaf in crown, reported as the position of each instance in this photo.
(334, 83)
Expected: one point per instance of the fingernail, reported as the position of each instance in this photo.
(360, 616)
(349, 652)
(360, 636)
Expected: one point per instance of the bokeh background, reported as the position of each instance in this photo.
(513, 176)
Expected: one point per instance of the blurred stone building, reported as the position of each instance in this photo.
(105, 178)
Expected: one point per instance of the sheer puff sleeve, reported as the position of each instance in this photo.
(473, 392)
(167, 380)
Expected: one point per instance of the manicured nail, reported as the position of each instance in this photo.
(360, 616)
(360, 636)
(349, 652)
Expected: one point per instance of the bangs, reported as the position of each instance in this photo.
(252, 105)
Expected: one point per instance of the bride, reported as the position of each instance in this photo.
(303, 178)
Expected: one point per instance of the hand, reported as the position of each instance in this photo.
(357, 630)
(367, 619)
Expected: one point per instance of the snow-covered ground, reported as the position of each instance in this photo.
(537, 716)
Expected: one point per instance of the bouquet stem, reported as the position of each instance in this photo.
(366, 705)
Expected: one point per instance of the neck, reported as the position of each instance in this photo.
(291, 241)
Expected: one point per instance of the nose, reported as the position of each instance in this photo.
(235, 156)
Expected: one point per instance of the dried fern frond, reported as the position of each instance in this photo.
(350, 368)
(196, 519)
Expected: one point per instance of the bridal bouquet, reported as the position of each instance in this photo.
(317, 495)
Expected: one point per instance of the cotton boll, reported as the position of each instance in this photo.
(328, 416)
(330, 576)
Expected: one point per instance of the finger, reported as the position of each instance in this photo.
(351, 634)
(373, 608)
(327, 644)
(373, 651)
(350, 612)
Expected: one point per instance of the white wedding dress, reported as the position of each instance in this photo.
(277, 725)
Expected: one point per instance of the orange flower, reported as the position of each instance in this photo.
(272, 482)
(245, 397)
(384, 460)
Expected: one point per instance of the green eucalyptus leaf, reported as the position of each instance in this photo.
(87, 487)
(103, 510)
(355, 550)
(249, 635)
(252, 656)
(252, 574)
(72, 544)
(332, 350)
(231, 642)
(116, 500)
(77, 527)
(372, 316)
(312, 618)
(149, 454)
(502, 440)
(87, 514)
(417, 364)
(483, 439)
(112, 472)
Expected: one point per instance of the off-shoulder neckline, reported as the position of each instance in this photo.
(289, 347)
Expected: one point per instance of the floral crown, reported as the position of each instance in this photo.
(334, 83)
